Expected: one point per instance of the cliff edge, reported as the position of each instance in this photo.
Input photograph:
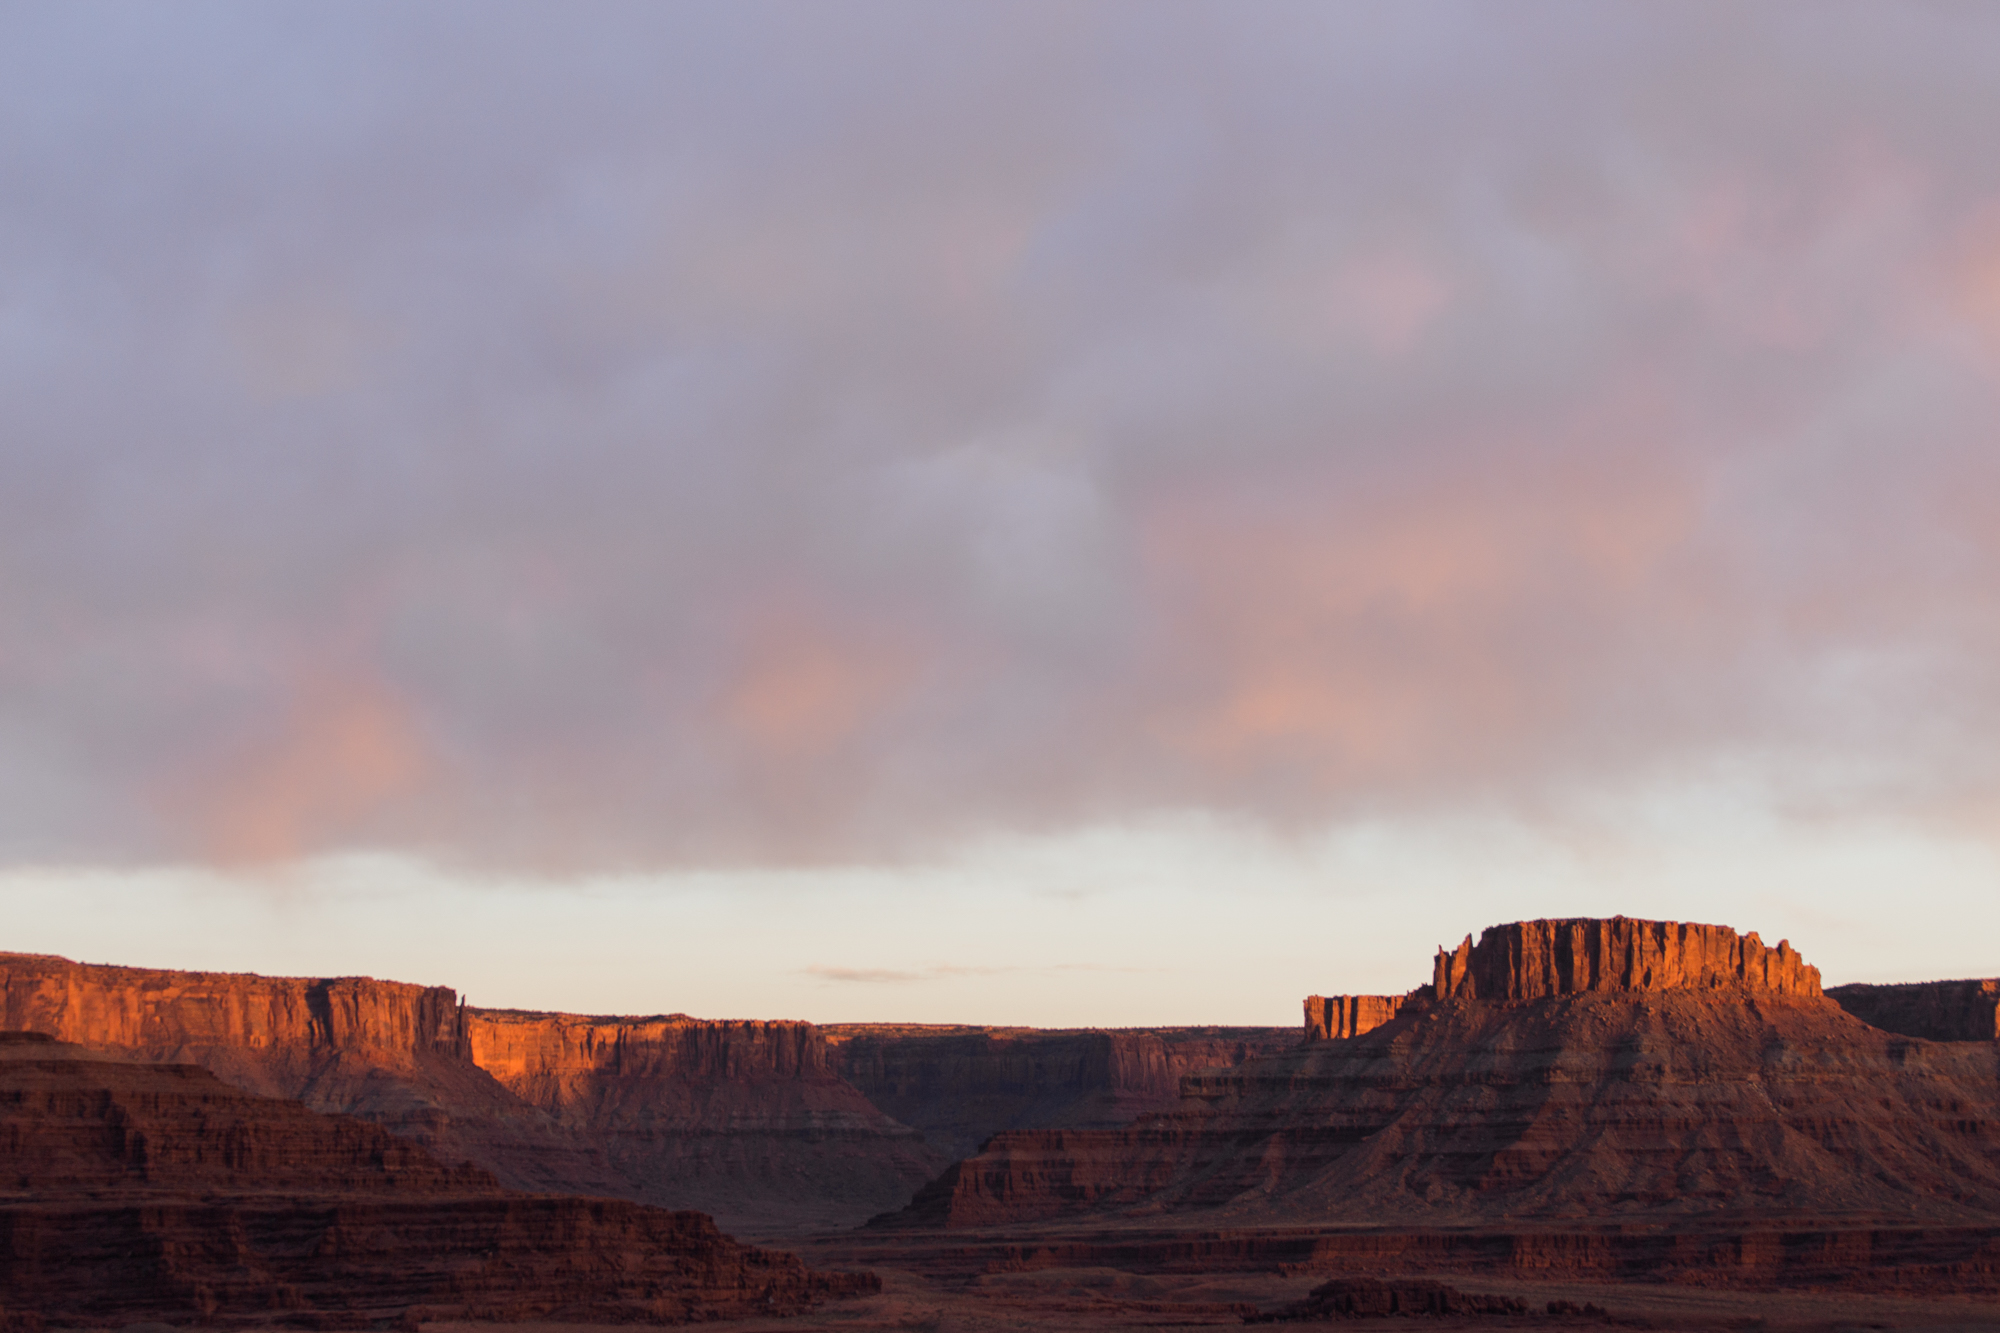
(1532, 960)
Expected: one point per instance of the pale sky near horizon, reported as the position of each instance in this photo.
(1083, 513)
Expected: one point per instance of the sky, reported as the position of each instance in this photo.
(1076, 513)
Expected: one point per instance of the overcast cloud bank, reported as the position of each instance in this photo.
(647, 438)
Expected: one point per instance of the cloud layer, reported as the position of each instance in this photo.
(646, 437)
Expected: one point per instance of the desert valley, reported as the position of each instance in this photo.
(1075, 664)
(1572, 1120)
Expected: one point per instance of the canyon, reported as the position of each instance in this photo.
(774, 1128)
(1565, 1108)
(137, 1190)
(742, 1120)
(748, 1121)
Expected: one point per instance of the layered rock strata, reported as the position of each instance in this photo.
(1933, 1010)
(133, 1191)
(748, 1120)
(1629, 1072)
(393, 1053)
(1338, 1017)
(962, 1085)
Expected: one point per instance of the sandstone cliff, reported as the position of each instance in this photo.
(1528, 960)
(748, 1120)
(1617, 1070)
(133, 1191)
(143, 1008)
(1337, 1017)
(389, 1052)
(1933, 1010)
(961, 1085)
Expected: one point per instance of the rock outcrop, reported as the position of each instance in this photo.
(1531, 960)
(395, 1054)
(962, 1085)
(1934, 1010)
(1623, 1070)
(1338, 1017)
(133, 1191)
(747, 1120)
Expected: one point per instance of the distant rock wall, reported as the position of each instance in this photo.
(1932, 1010)
(1334, 1017)
(1530, 960)
(962, 1085)
(749, 1120)
(561, 1060)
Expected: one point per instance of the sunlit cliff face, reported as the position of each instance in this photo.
(654, 442)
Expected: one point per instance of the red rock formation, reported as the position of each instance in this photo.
(1528, 960)
(961, 1085)
(1933, 1010)
(83, 1124)
(743, 1120)
(1337, 1017)
(286, 1018)
(144, 1191)
(747, 1120)
(1657, 1083)
(386, 1051)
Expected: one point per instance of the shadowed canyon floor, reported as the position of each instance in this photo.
(1667, 1122)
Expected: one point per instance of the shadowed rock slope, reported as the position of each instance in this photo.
(962, 1085)
(136, 1191)
(1933, 1010)
(746, 1121)
(1619, 1070)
